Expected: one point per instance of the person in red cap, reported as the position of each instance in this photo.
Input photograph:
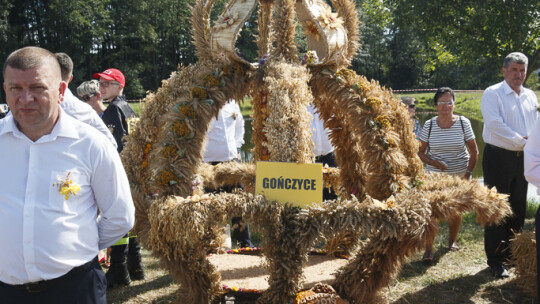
(126, 264)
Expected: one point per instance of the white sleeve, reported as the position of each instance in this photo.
(494, 121)
(83, 112)
(113, 197)
(532, 156)
(239, 127)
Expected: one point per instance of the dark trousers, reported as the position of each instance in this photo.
(241, 234)
(330, 160)
(119, 253)
(504, 169)
(87, 286)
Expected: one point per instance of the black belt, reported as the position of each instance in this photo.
(40, 286)
(510, 152)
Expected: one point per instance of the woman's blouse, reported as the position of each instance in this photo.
(448, 145)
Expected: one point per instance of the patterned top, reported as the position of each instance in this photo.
(448, 145)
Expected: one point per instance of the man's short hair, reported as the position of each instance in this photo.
(29, 57)
(88, 88)
(516, 57)
(66, 65)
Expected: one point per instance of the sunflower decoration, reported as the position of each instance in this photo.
(383, 121)
(373, 102)
(145, 155)
(170, 151)
(213, 80)
(166, 178)
(181, 129)
(198, 92)
(187, 110)
(329, 20)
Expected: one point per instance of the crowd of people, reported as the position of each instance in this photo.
(71, 199)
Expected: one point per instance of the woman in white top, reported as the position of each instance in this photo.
(447, 145)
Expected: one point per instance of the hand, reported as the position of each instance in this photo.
(467, 176)
(439, 165)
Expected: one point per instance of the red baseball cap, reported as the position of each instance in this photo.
(112, 74)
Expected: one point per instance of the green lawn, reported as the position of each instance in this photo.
(467, 103)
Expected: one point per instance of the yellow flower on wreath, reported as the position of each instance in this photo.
(188, 111)
(180, 128)
(383, 121)
(170, 151)
(199, 93)
(166, 178)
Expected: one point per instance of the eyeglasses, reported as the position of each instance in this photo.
(87, 97)
(106, 84)
(412, 106)
(446, 103)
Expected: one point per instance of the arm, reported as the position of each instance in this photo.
(113, 196)
(532, 156)
(113, 117)
(428, 160)
(494, 122)
(473, 151)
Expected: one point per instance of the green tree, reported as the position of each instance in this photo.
(474, 33)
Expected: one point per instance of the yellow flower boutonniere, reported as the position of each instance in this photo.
(67, 186)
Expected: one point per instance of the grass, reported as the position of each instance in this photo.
(467, 103)
(454, 277)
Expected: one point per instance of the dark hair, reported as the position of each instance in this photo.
(442, 91)
(66, 65)
(29, 57)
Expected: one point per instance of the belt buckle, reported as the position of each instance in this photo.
(33, 287)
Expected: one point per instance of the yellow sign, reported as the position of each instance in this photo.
(298, 184)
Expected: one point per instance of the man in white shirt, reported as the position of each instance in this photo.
(509, 112)
(224, 139)
(58, 173)
(76, 108)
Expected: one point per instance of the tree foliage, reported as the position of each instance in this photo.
(405, 43)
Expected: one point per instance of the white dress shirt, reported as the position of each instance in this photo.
(85, 113)
(225, 134)
(44, 235)
(321, 142)
(508, 117)
(531, 155)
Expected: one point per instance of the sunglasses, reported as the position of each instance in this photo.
(445, 103)
(106, 84)
(87, 97)
(412, 106)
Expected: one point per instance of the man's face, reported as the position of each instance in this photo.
(109, 89)
(514, 75)
(34, 96)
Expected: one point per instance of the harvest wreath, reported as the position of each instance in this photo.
(386, 206)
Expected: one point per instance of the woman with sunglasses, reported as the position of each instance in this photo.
(88, 91)
(447, 145)
(410, 103)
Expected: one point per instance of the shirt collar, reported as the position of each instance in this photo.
(64, 127)
(508, 90)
